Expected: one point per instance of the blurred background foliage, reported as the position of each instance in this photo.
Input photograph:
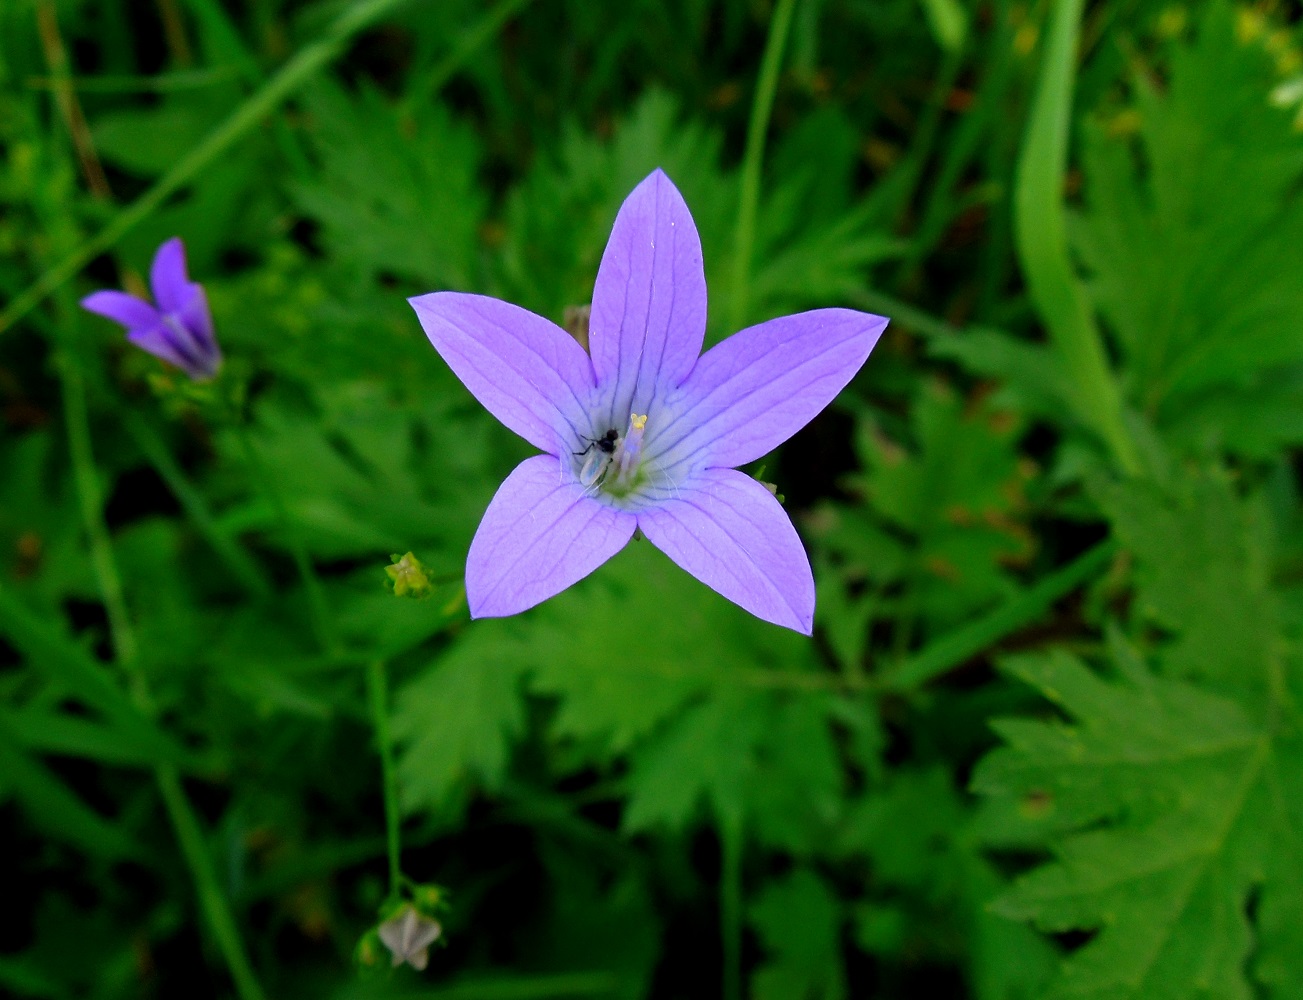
(1045, 741)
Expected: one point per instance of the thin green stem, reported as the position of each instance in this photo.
(90, 499)
(293, 75)
(954, 648)
(757, 128)
(211, 898)
(1040, 230)
(378, 695)
(182, 816)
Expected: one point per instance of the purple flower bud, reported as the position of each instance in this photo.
(646, 432)
(180, 329)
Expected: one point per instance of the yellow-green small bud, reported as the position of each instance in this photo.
(408, 576)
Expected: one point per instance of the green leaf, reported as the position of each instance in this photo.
(948, 21)
(707, 753)
(795, 793)
(71, 672)
(1166, 809)
(957, 496)
(1190, 222)
(358, 479)
(745, 754)
(798, 920)
(1033, 379)
(928, 893)
(611, 697)
(456, 721)
(54, 807)
(1203, 563)
(395, 197)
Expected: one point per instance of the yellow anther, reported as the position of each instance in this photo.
(638, 422)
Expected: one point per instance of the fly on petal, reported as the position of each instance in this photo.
(179, 328)
(642, 431)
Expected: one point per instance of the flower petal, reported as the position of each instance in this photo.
(167, 340)
(197, 319)
(751, 392)
(731, 534)
(173, 290)
(540, 534)
(649, 303)
(526, 370)
(122, 308)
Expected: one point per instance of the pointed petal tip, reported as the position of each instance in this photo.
(799, 620)
(168, 277)
(648, 316)
(173, 245)
(169, 258)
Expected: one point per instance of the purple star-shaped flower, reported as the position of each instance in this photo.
(180, 330)
(644, 433)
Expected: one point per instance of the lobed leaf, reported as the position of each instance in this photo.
(1158, 805)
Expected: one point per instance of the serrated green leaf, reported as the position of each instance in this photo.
(614, 697)
(356, 480)
(1203, 571)
(688, 641)
(1188, 257)
(956, 495)
(706, 754)
(455, 723)
(798, 919)
(395, 197)
(795, 794)
(1163, 818)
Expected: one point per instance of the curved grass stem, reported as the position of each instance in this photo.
(1040, 233)
(757, 128)
(180, 813)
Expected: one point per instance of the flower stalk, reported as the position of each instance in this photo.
(180, 813)
(753, 159)
(1040, 227)
(377, 687)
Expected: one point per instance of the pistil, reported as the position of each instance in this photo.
(628, 454)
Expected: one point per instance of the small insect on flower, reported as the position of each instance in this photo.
(602, 449)
(604, 443)
(180, 329)
(643, 432)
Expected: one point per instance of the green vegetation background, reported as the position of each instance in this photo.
(1045, 742)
